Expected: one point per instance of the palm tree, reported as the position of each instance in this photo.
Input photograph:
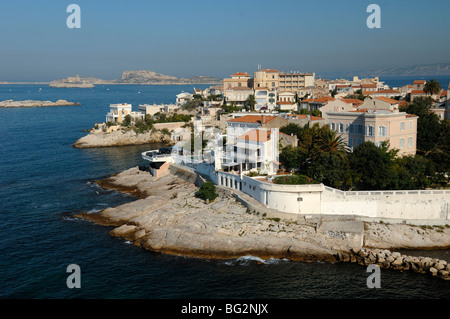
(432, 87)
(329, 142)
(250, 102)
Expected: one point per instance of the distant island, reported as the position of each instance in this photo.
(134, 77)
(33, 103)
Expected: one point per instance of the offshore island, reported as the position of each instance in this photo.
(33, 103)
(294, 206)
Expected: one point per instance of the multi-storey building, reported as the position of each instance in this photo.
(266, 99)
(356, 127)
(117, 113)
(285, 82)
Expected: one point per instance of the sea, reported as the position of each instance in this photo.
(45, 181)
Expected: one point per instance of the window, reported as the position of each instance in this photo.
(410, 125)
(402, 126)
(370, 130)
(350, 142)
(350, 128)
(273, 84)
(341, 128)
(378, 144)
(402, 143)
(382, 131)
(410, 142)
(360, 129)
(358, 141)
(333, 126)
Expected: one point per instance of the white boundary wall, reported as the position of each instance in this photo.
(408, 204)
(316, 199)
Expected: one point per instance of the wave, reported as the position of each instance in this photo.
(94, 210)
(253, 260)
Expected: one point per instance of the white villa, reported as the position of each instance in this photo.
(118, 112)
(183, 97)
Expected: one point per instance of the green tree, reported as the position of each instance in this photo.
(292, 157)
(412, 172)
(327, 142)
(291, 128)
(373, 166)
(207, 191)
(126, 120)
(250, 102)
(428, 124)
(432, 87)
(440, 154)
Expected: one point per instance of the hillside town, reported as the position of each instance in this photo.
(303, 145)
(359, 110)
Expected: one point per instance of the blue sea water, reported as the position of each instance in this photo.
(44, 181)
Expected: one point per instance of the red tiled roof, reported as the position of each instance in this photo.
(256, 135)
(411, 115)
(368, 85)
(270, 70)
(323, 99)
(241, 74)
(387, 100)
(419, 82)
(253, 119)
(386, 91)
(352, 101)
(417, 92)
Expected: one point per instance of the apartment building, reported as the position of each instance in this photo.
(285, 82)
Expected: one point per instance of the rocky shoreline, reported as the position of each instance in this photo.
(33, 103)
(121, 138)
(168, 218)
(394, 260)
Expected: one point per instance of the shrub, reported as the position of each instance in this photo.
(295, 179)
(207, 191)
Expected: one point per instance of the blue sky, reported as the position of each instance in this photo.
(217, 38)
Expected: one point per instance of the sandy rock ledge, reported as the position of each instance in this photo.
(168, 218)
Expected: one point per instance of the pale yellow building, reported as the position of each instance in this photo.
(285, 82)
(240, 79)
(356, 127)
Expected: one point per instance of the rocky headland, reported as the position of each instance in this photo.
(121, 138)
(169, 218)
(33, 103)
